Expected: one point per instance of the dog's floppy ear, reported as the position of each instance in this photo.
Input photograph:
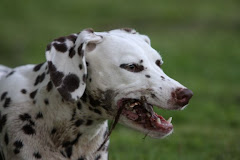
(67, 64)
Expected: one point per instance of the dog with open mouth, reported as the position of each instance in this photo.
(59, 109)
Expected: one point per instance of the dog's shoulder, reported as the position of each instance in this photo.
(17, 84)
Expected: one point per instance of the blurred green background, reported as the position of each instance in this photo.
(199, 42)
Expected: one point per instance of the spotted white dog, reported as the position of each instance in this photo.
(58, 110)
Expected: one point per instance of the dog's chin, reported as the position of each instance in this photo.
(139, 115)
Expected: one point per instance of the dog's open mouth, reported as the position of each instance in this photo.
(141, 113)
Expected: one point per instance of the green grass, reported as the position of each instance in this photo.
(199, 41)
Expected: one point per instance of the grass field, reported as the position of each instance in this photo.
(199, 42)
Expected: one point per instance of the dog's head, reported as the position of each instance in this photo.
(117, 70)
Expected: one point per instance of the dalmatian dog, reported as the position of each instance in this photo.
(58, 110)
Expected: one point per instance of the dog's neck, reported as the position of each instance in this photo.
(70, 125)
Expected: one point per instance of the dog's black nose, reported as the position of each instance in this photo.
(182, 96)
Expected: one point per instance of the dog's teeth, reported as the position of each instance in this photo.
(159, 121)
(169, 120)
(134, 104)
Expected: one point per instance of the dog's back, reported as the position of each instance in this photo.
(16, 82)
(4, 70)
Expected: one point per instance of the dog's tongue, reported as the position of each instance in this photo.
(160, 123)
(131, 115)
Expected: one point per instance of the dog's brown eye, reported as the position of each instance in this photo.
(132, 67)
(158, 63)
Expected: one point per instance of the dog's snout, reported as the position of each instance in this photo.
(182, 96)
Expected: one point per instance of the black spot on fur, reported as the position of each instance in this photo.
(63, 154)
(25, 117)
(39, 79)
(54, 130)
(72, 38)
(158, 63)
(141, 61)
(3, 120)
(6, 139)
(37, 67)
(7, 102)
(61, 47)
(66, 144)
(98, 157)
(46, 101)
(153, 95)
(87, 64)
(76, 139)
(163, 78)
(72, 52)
(68, 150)
(39, 115)
(18, 144)
(79, 105)
(74, 113)
(65, 94)
(9, 74)
(31, 123)
(71, 82)
(80, 66)
(79, 122)
(56, 76)
(49, 47)
(105, 107)
(49, 86)
(3, 96)
(60, 39)
(24, 91)
(81, 158)
(148, 76)
(80, 51)
(16, 151)
(94, 102)
(37, 155)
(33, 94)
(129, 30)
(97, 111)
(84, 78)
(28, 129)
(84, 97)
(89, 122)
(90, 30)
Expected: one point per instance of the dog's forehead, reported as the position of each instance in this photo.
(127, 46)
